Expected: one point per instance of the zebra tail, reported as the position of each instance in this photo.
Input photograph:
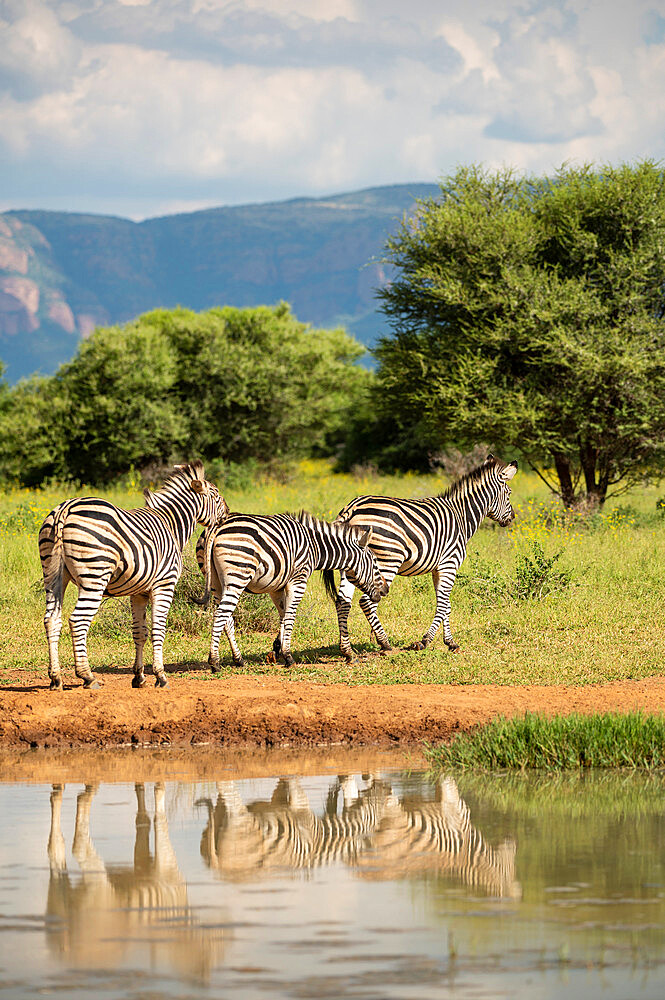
(207, 558)
(53, 570)
(329, 583)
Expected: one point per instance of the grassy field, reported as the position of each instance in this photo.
(553, 599)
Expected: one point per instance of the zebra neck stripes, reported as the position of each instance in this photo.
(331, 542)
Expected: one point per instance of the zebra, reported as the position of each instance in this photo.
(276, 554)
(411, 537)
(108, 552)
(377, 832)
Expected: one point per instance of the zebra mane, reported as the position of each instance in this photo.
(470, 482)
(181, 474)
(346, 532)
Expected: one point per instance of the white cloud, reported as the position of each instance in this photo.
(202, 102)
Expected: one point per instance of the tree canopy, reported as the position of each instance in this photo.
(529, 312)
(228, 384)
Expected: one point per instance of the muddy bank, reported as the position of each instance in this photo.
(274, 712)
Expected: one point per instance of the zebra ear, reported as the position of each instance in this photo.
(509, 471)
(198, 486)
(365, 538)
(490, 458)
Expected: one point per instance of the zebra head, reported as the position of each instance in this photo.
(214, 509)
(500, 508)
(364, 572)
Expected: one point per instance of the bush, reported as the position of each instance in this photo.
(230, 386)
(534, 578)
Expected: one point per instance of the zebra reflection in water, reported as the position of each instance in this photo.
(376, 832)
(96, 917)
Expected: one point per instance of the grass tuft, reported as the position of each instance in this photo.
(632, 740)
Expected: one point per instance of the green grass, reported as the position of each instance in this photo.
(632, 740)
(552, 599)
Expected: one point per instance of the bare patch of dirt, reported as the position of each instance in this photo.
(275, 712)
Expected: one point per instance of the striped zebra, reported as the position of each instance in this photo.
(411, 537)
(276, 554)
(108, 552)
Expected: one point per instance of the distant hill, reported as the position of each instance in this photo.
(63, 273)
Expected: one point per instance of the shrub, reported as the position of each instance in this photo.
(536, 577)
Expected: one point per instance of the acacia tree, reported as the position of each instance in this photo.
(529, 312)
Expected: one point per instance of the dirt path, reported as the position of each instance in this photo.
(271, 711)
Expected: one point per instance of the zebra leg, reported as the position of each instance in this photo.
(230, 629)
(378, 631)
(80, 621)
(141, 831)
(161, 602)
(277, 598)
(53, 628)
(443, 583)
(57, 852)
(139, 602)
(293, 593)
(230, 592)
(343, 607)
(369, 609)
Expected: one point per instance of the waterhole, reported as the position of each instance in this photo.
(188, 875)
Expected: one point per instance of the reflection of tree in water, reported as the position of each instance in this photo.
(101, 913)
(375, 832)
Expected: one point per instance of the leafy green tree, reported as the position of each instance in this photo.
(529, 312)
(121, 405)
(256, 383)
(31, 442)
(228, 384)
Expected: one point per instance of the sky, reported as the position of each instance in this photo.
(142, 108)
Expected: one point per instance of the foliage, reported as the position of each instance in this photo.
(634, 739)
(531, 311)
(533, 578)
(229, 385)
(536, 577)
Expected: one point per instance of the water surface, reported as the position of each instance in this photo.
(129, 876)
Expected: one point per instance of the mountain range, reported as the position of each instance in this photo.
(64, 273)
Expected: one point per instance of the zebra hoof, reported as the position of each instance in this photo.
(239, 663)
(91, 684)
(56, 684)
(417, 645)
(385, 650)
(454, 649)
(161, 681)
(214, 666)
(138, 680)
(288, 660)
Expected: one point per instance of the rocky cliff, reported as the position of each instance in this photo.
(62, 274)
